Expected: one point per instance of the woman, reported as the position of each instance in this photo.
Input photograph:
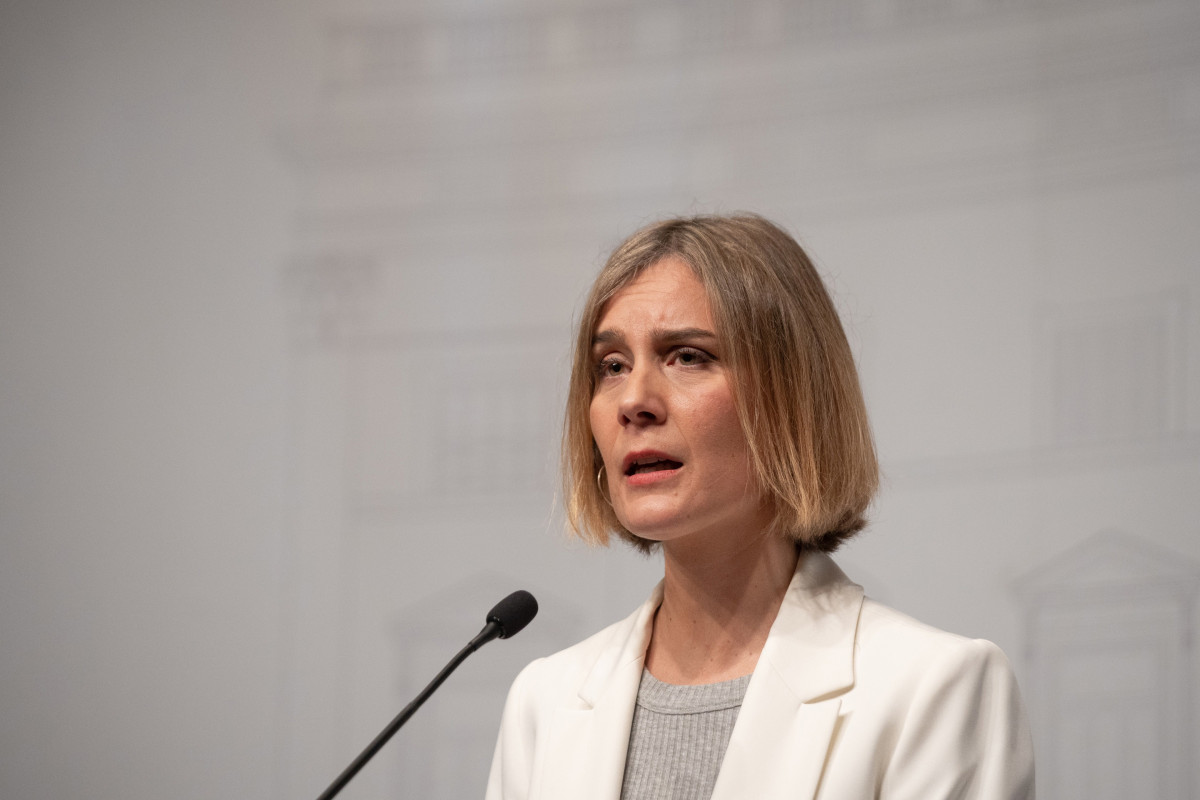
(715, 413)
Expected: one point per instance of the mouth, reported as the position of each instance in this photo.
(642, 463)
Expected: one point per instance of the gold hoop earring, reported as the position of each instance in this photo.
(600, 485)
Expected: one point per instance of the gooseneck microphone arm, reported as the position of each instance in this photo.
(506, 619)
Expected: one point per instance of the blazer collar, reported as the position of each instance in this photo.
(785, 725)
(789, 714)
(811, 645)
(625, 653)
(588, 739)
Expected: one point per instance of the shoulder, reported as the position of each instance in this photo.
(943, 712)
(559, 678)
(570, 666)
(555, 683)
(895, 649)
(884, 631)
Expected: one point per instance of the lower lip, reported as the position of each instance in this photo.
(651, 478)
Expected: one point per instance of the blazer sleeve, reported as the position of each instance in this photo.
(965, 734)
(512, 762)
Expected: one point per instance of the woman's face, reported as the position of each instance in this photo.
(663, 417)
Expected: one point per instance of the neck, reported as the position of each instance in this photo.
(718, 606)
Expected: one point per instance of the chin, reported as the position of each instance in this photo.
(655, 528)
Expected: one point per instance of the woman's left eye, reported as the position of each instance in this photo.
(690, 357)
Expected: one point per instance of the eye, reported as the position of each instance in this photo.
(609, 367)
(692, 357)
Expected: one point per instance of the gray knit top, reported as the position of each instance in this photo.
(679, 737)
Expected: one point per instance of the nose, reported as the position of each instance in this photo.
(642, 399)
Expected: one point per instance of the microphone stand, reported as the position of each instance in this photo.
(489, 632)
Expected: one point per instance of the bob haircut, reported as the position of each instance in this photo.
(794, 383)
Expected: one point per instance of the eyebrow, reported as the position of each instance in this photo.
(664, 335)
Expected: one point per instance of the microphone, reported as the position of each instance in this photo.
(506, 619)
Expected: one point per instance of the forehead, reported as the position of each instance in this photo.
(665, 294)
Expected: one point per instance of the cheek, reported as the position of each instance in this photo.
(733, 444)
(721, 430)
(731, 455)
(596, 422)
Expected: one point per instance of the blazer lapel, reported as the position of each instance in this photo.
(788, 718)
(590, 738)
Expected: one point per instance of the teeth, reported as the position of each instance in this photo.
(651, 465)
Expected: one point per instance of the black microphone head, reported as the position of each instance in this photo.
(513, 613)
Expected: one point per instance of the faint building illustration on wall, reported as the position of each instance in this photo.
(957, 162)
(1114, 371)
(1111, 658)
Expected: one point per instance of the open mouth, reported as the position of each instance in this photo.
(651, 465)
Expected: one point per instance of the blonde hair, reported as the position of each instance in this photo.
(793, 379)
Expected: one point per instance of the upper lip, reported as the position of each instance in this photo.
(645, 456)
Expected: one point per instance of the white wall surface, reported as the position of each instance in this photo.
(285, 298)
(144, 216)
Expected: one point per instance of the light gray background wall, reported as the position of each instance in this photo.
(285, 293)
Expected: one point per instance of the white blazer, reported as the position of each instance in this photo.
(849, 699)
